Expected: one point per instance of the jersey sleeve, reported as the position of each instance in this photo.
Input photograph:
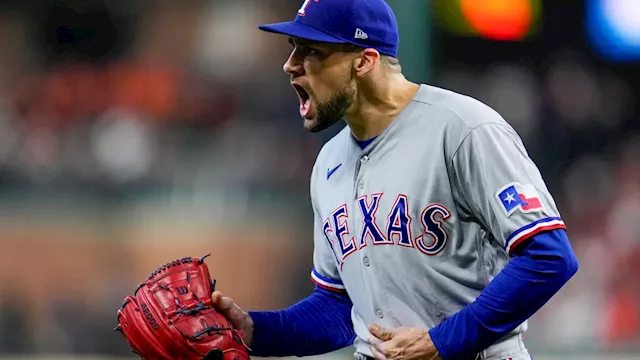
(498, 184)
(325, 269)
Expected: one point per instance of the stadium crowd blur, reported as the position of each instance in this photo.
(135, 132)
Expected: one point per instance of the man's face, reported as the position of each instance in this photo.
(321, 75)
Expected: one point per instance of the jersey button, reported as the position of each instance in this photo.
(361, 184)
(364, 159)
(379, 313)
(366, 261)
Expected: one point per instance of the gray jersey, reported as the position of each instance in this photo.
(415, 225)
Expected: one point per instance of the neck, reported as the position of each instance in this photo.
(377, 106)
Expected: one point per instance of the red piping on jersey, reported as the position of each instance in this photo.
(544, 228)
(327, 287)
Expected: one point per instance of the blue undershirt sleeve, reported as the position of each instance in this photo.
(536, 272)
(318, 324)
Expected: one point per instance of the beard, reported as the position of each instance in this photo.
(328, 113)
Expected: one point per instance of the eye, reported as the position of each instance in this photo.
(309, 51)
(304, 50)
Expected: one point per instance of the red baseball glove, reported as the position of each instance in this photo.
(171, 316)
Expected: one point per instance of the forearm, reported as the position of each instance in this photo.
(517, 292)
(319, 324)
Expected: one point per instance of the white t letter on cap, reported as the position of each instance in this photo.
(303, 9)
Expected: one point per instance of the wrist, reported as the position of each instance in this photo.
(435, 339)
(432, 349)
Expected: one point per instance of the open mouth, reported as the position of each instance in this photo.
(305, 100)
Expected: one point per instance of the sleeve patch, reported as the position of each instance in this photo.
(519, 197)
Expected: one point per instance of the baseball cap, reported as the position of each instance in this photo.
(364, 23)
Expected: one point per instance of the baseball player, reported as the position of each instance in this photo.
(435, 235)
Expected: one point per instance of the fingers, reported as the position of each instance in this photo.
(376, 343)
(229, 309)
(377, 354)
(380, 333)
(222, 303)
(215, 297)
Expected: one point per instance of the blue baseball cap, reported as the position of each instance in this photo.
(364, 23)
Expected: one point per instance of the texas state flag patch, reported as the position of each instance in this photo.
(521, 197)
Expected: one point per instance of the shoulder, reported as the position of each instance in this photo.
(456, 115)
(459, 109)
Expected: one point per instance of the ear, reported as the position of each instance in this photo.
(366, 61)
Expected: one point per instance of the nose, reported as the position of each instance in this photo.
(293, 65)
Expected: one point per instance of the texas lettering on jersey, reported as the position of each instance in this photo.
(396, 228)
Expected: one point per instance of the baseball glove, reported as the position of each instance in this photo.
(171, 316)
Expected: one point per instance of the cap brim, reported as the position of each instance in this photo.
(299, 30)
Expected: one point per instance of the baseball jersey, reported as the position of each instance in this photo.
(415, 225)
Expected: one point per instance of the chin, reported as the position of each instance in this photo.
(311, 125)
(316, 124)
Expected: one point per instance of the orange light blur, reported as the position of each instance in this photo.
(499, 19)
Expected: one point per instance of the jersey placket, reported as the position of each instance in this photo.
(375, 293)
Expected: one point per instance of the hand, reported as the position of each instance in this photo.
(402, 343)
(239, 318)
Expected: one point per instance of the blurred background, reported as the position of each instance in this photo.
(133, 133)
